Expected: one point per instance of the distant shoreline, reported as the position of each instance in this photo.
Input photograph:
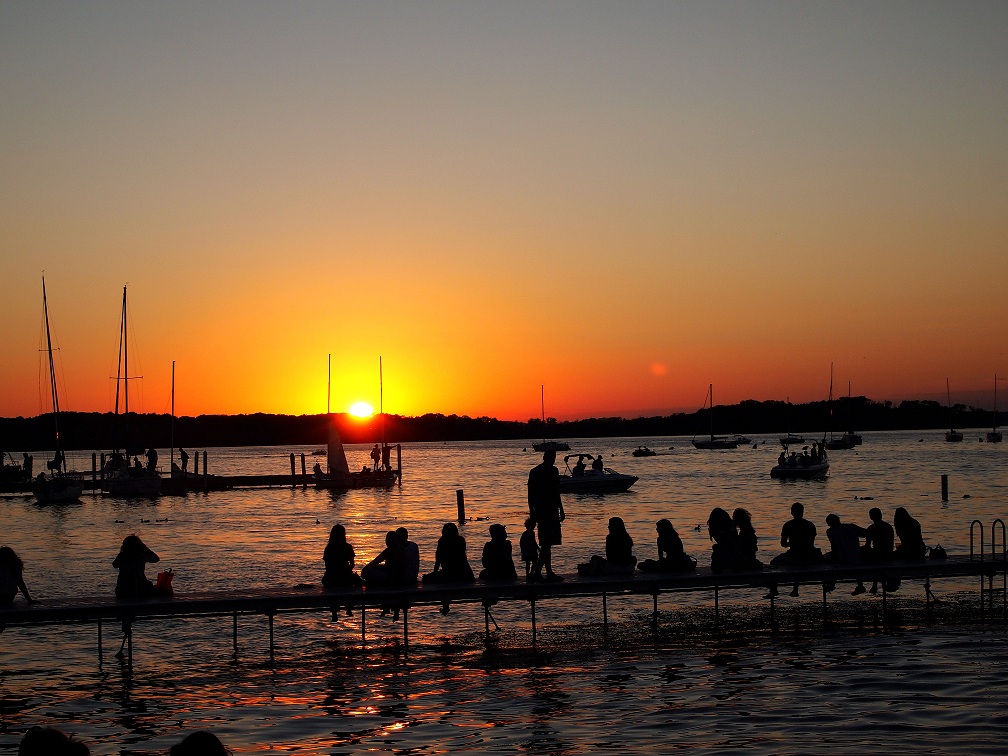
(96, 430)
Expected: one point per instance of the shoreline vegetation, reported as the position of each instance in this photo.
(97, 430)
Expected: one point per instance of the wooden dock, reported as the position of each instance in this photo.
(269, 603)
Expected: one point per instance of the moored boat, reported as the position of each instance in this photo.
(714, 442)
(643, 451)
(994, 435)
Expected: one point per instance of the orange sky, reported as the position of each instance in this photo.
(622, 202)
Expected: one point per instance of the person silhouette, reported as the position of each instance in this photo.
(725, 546)
(798, 537)
(48, 741)
(908, 530)
(747, 540)
(619, 558)
(845, 547)
(375, 456)
(671, 556)
(878, 547)
(498, 562)
(528, 546)
(184, 459)
(152, 458)
(130, 561)
(411, 561)
(451, 565)
(389, 566)
(11, 577)
(200, 743)
(339, 558)
(597, 464)
(546, 508)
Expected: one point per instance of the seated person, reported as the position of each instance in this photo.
(845, 547)
(671, 555)
(725, 552)
(339, 558)
(451, 565)
(798, 537)
(11, 577)
(619, 558)
(747, 540)
(597, 464)
(908, 530)
(130, 561)
(579, 467)
(498, 562)
(48, 741)
(388, 567)
(199, 743)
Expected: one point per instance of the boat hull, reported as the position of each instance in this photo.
(380, 479)
(57, 489)
(716, 443)
(128, 484)
(597, 483)
(800, 472)
(994, 437)
(551, 446)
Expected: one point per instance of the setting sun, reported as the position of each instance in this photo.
(361, 409)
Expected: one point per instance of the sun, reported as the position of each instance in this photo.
(361, 409)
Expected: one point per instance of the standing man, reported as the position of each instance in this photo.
(546, 509)
(185, 460)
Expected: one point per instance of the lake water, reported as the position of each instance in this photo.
(934, 686)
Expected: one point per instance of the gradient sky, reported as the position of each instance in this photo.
(621, 201)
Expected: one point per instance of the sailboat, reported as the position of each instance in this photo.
(951, 435)
(848, 440)
(122, 478)
(58, 485)
(994, 436)
(714, 442)
(337, 476)
(547, 445)
(791, 439)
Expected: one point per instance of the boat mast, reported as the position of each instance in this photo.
(52, 381)
(542, 407)
(710, 393)
(171, 433)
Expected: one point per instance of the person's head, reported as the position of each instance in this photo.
(549, 457)
(48, 741)
(742, 518)
(832, 520)
(201, 743)
(900, 515)
(498, 532)
(718, 521)
(392, 539)
(797, 510)
(132, 545)
(599, 458)
(403, 535)
(449, 530)
(616, 525)
(337, 534)
(665, 528)
(10, 560)
(875, 514)
(529, 524)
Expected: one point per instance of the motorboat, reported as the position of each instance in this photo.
(846, 441)
(799, 466)
(792, 439)
(643, 451)
(584, 479)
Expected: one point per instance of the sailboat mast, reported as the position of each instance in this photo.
(381, 401)
(710, 393)
(52, 380)
(171, 433)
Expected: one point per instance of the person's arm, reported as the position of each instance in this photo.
(784, 540)
(24, 589)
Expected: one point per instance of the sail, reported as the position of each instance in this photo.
(336, 456)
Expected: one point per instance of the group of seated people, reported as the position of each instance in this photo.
(734, 547)
(807, 457)
(49, 741)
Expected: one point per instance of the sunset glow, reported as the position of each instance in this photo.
(624, 204)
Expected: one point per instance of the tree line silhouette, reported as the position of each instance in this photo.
(95, 430)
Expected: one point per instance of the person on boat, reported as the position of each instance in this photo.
(845, 547)
(11, 577)
(725, 547)
(376, 457)
(782, 459)
(339, 558)
(152, 458)
(747, 540)
(131, 561)
(878, 547)
(619, 558)
(498, 559)
(546, 508)
(411, 552)
(671, 555)
(27, 463)
(317, 470)
(388, 567)
(798, 537)
(908, 530)
(579, 467)
(528, 546)
(184, 459)
(57, 462)
(597, 464)
(48, 741)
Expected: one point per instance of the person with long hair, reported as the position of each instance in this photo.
(11, 577)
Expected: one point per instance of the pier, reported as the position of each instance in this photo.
(990, 570)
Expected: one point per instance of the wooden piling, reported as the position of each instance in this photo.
(944, 487)
(460, 502)
(293, 475)
(304, 473)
